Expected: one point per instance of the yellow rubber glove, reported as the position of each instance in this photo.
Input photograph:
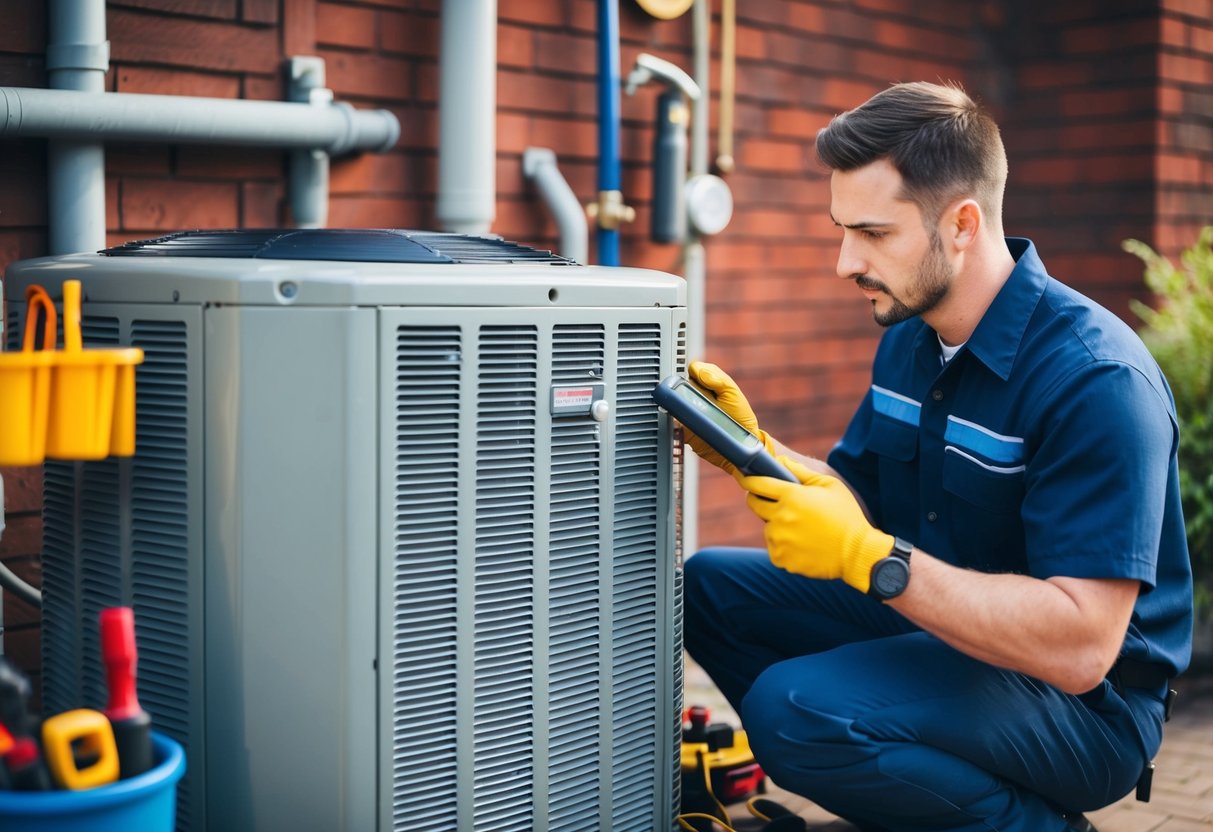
(733, 402)
(817, 528)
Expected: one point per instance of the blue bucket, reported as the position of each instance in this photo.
(147, 802)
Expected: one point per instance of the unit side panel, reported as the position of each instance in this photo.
(129, 532)
(575, 655)
(639, 692)
(670, 508)
(291, 602)
(508, 612)
(423, 416)
(509, 568)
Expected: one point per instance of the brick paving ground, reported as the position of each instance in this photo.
(1182, 799)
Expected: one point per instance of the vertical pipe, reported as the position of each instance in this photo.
(694, 260)
(701, 66)
(308, 188)
(693, 269)
(694, 257)
(609, 178)
(308, 170)
(77, 57)
(467, 116)
(539, 166)
(728, 84)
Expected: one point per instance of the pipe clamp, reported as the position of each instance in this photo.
(11, 122)
(347, 140)
(78, 56)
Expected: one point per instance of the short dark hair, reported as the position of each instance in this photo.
(939, 139)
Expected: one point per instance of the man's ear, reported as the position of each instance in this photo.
(961, 223)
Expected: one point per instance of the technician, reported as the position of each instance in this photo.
(968, 618)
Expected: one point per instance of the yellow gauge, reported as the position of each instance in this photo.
(665, 9)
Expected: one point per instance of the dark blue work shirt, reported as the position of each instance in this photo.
(1046, 447)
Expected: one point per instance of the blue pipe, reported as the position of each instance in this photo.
(609, 178)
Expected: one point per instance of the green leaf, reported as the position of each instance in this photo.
(1178, 330)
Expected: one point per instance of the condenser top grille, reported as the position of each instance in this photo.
(342, 267)
(366, 245)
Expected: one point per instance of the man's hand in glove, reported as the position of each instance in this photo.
(733, 402)
(817, 528)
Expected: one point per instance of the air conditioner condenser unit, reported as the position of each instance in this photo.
(399, 532)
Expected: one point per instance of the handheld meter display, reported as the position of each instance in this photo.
(686, 403)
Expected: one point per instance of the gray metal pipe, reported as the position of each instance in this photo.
(77, 57)
(61, 114)
(694, 258)
(308, 169)
(77, 53)
(539, 166)
(467, 116)
(75, 196)
(701, 61)
(308, 188)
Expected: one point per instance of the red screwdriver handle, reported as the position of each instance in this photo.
(132, 725)
(119, 654)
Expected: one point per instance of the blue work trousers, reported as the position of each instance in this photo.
(847, 703)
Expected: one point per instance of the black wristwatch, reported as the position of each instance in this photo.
(891, 574)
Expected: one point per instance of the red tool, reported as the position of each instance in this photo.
(23, 766)
(132, 724)
(6, 745)
(20, 757)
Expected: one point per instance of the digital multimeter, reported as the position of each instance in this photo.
(689, 405)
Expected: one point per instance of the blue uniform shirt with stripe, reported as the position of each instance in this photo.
(1046, 446)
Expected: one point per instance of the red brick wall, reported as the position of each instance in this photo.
(1075, 84)
(1079, 120)
(22, 234)
(1183, 166)
(798, 339)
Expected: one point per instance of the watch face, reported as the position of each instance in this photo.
(889, 577)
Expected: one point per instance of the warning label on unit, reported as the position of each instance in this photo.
(574, 399)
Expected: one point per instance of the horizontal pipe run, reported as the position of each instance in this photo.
(67, 114)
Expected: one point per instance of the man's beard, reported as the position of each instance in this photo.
(931, 283)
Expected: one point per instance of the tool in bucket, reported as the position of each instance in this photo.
(132, 725)
(79, 749)
(21, 765)
(73, 403)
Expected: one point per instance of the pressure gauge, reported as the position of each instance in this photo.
(664, 9)
(709, 203)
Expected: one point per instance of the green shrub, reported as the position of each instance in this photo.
(1179, 333)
